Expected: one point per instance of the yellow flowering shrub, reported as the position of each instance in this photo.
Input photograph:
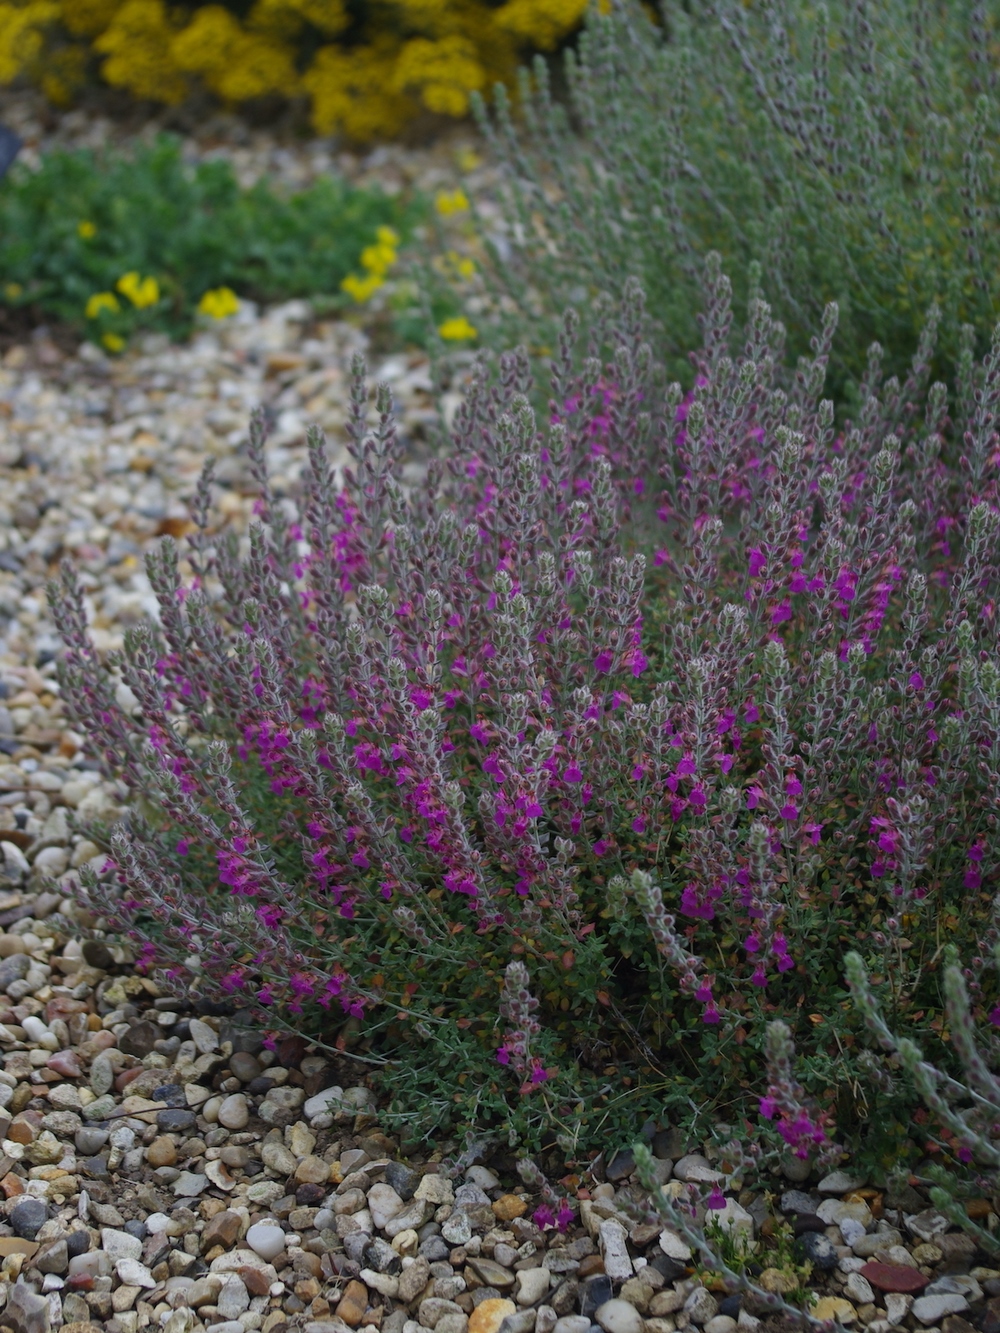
(366, 70)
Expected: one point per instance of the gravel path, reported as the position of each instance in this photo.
(161, 1167)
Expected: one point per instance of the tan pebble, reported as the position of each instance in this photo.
(162, 1151)
(490, 1314)
(312, 1171)
(509, 1206)
(778, 1282)
(834, 1307)
(352, 1305)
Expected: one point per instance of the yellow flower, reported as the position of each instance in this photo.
(387, 236)
(140, 291)
(101, 301)
(468, 159)
(219, 303)
(378, 259)
(451, 201)
(362, 289)
(86, 230)
(462, 266)
(457, 329)
(112, 342)
(13, 290)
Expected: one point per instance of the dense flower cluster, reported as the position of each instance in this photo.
(365, 73)
(592, 750)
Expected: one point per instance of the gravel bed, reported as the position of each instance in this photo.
(160, 1167)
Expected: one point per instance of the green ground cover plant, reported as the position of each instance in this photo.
(848, 149)
(547, 786)
(109, 244)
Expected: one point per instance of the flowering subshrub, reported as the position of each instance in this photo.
(365, 70)
(845, 148)
(552, 780)
(113, 244)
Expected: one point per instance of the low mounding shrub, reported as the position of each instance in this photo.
(844, 147)
(365, 70)
(550, 782)
(121, 242)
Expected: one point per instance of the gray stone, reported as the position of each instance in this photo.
(932, 1309)
(28, 1215)
(266, 1239)
(819, 1250)
(795, 1201)
(927, 1225)
(696, 1169)
(701, 1306)
(401, 1178)
(190, 1184)
(26, 1311)
(119, 1244)
(866, 1246)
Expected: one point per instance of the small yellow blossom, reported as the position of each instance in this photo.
(468, 159)
(362, 289)
(86, 230)
(378, 259)
(457, 329)
(449, 202)
(141, 292)
(219, 303)
(461, 265)
(101, 301)
(13, 290)
(112, 342)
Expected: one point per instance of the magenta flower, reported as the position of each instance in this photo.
(758, 560)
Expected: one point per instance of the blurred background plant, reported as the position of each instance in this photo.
(365, 70)
(846, 148)
(112, 244)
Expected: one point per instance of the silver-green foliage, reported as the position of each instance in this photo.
(840, 151)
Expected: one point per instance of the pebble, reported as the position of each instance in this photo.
(819, 1250)
(894, 1277)
(696, 1169)
(266, 1239)
(932, 1309)
(840, 1183)
(617, 1316)
(834, 1307)
(234, 1113)
(490, 1314)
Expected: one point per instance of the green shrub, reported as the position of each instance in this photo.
(846, 148)
(118, 242)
